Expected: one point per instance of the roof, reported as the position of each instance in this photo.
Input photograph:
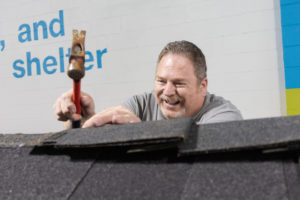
(170, 159)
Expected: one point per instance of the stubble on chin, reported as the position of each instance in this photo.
(171, 114)
(180, 113)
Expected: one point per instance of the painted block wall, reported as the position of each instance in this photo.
(290, 21)
(241, 40)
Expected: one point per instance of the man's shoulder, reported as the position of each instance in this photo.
(216, 100)
(217, 109)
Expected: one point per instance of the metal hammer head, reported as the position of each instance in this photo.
(76, 68)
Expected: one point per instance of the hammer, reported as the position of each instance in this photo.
(76, 69)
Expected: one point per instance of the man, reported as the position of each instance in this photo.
(180, 90)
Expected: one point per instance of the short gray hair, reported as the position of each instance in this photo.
(191, 51)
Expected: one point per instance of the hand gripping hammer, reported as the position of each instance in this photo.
(76, 69)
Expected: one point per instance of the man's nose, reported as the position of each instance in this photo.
(169, 89)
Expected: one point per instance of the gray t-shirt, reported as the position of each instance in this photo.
(215, 109)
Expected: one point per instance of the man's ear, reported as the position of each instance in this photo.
(204, 82)
(203, 86)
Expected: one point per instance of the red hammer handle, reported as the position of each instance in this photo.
(76, 95)
(76, 100)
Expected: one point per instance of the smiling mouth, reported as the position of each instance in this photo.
(173, 103)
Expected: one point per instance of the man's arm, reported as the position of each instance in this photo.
(113, 115)
(65, 110)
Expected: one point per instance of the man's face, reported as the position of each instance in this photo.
(177, 89)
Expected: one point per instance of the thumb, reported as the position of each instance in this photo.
(88, 106)
(86, 101)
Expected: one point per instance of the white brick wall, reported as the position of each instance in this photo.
(240, 38)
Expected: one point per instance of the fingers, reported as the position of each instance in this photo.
(87, 105)
(99, 119)
(125, 118)
(114, 115)
(65, 109)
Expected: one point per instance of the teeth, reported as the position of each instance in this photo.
(172, 103)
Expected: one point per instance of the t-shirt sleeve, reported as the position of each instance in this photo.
(131, 104)
(136, 104)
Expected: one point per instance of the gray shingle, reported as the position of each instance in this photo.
(280, 133)
(27, 176)
(154, 132)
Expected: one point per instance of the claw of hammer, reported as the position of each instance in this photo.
(76, 69)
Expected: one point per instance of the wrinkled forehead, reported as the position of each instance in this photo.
(171, 55)
(176, 61)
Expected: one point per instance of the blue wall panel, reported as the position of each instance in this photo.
(291, 35)
(292, 77)
(290, 22)
(291, 56)
(290, 14)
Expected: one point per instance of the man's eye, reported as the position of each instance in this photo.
(161, 81)
(180, 84)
